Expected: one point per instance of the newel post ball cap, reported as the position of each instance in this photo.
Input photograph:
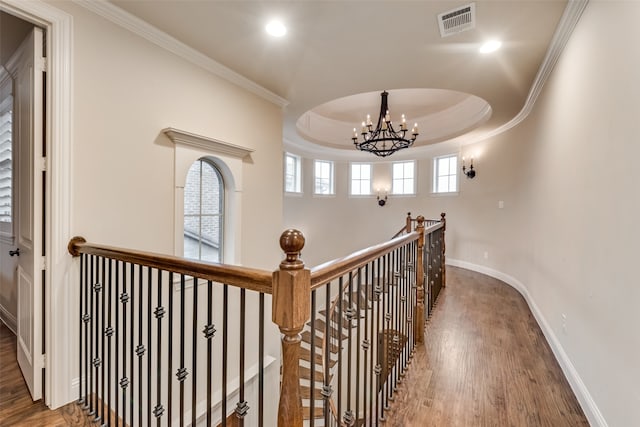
(292, 242)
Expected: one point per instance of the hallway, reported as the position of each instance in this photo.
(486, 363)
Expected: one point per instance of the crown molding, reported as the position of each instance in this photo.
(178, 136)
(147, 31)
(568, 21)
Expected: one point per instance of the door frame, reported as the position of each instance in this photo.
(60, 305)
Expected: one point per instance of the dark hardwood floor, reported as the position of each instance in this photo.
(16, 406)
(485, 362)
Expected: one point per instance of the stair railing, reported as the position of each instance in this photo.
(150, 349)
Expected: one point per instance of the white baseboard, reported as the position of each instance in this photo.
(9, 320)
(587, 403)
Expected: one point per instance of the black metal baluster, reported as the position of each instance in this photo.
(395, 339)
(109, 334)
(385, 334)
(350, 313)
(194, 350)
(102, 335)
(392, 297)
(404, 311)
(312, 358)
(131, 343)
(149, 335)
(358, 342)
(368, 291)
(339, 321)
(117, 342)
(140, 348)
(241, 406)
(261, 362)
(181, 374)
(378, 368)
(158, 410)
(225, 328)
(326, 388)
(96, 362)
(209, 332)
(91, 365)
(170, 287)
(124, 381)
(83, 282)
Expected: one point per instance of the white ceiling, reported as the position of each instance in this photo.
(335, 49)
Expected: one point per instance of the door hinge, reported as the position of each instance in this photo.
(42, 360)
(42, 64)
(44, 263)
(43, 163)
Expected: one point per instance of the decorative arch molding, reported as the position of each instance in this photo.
(228, 158)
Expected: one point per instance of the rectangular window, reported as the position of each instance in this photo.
(6, 158)
(292, 173)
(360, 179)
(445, 174)
(403, 178)
(323, 177)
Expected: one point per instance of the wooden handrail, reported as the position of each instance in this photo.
(243, 277)
(330, 270)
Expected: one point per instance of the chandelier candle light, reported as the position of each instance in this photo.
(384, 140)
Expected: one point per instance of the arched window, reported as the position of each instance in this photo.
(203, 212)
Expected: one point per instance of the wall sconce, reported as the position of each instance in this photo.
(381, 198)
(471, 173)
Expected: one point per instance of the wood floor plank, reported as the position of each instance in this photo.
(485, 362)
(16, 407)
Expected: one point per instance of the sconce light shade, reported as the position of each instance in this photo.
(381, 198)
(470, 173)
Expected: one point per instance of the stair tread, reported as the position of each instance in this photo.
(305, 373)
(335, 317)
(305, 354)
(318, 412)
(321, 326)
(306, 337)
(305, 392)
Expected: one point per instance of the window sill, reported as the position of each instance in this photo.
(448, 194)
(293, 193)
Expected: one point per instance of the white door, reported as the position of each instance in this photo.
(27, 68)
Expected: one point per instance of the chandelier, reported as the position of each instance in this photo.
(384, 140)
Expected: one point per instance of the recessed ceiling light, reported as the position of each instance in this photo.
(276, 28)
(490, 46)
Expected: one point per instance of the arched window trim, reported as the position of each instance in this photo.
(230, 165)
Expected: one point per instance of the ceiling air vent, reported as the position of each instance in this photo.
(457, 20)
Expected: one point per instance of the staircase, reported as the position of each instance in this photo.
(353, 306)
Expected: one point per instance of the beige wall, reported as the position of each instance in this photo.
(568, 231)
(125, 91)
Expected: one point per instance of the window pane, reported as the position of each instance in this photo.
(210, 242)
(408, 186)
(210, 190)
(192, 237)
(192, 190)
(443, 167)
(443, 184)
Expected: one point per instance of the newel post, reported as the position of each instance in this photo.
(419, 315)
(291, 306)
(408, 229)
(444, 267)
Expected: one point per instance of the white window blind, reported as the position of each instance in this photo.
(6, 157)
